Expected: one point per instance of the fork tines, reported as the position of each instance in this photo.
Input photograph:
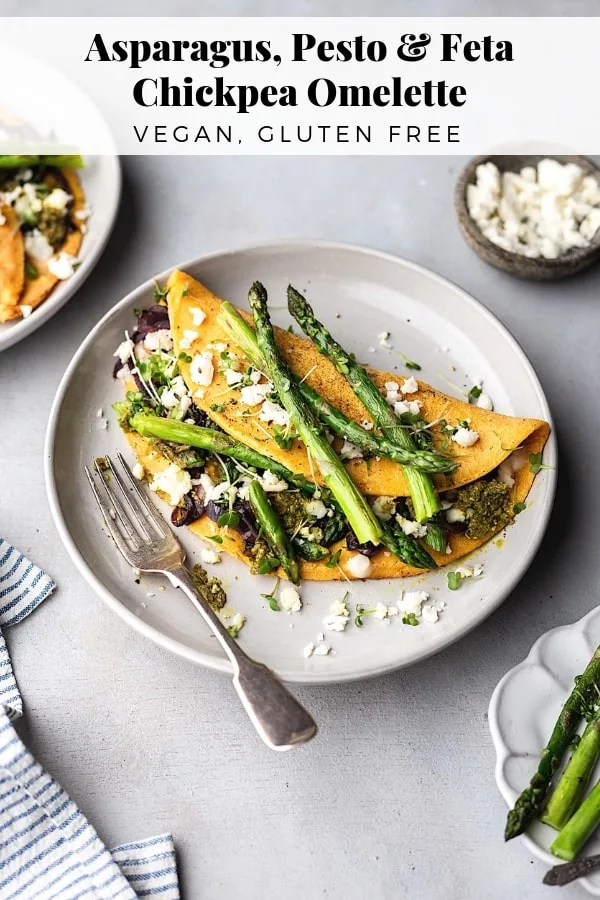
(132, 520)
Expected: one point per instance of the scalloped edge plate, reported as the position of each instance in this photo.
(550, 671)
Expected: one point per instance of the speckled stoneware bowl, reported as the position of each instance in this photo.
(575, 260)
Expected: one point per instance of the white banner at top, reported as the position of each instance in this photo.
(275, 86)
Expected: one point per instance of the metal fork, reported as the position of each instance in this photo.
(148, 544)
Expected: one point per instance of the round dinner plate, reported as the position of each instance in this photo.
(100, 179)
(523, 710)
(359, 293)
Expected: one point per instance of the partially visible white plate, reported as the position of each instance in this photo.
(523, 710)
(371, 292)
(101, 178)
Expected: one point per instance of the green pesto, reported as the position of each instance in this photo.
(487, 506)
(211, 588)
(54, 225)
(260, 551)
(291, 509)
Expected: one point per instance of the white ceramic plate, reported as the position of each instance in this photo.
(523, 710)
(101, 178)
(372, 292)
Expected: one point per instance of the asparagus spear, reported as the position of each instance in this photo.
(424, 497)
(360, 516)
(61, 162)
(215, 442)
(530, 801)
(579, 828)
(436, 537)
(424, 460)
(406, 548)
(273, 531)
(569, 791)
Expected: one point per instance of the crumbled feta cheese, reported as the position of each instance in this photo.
(384, 508)
(173, 481)
(338, 618)
(454, 515)
(536, 212)
(103, 424)
(358, 566)
(505, 472)
(233, 377)
(430, 613)
(57, 199)
(210, 557)
(189, 336)
(238, 621)
(308, 650)
(412, 601)
(273, 412)
(198, 316)
(37, 246)
(469, 571)
(316, 508)
(392, 387)
(202, 370)
(410, 386)
(366, 425)
(199, 394)
(62, 266)
(410, 528)
(254, 394)
(138, 471)
(207, 485)
(465, 437)
(124, 350)
(289, 599)
(484, 401)
(26, 310)
(322, 650)
(159, 340)
(407, 406)
(381, 611)
(350, 451)
(273, 483)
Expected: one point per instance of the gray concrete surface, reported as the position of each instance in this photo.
(397, 797)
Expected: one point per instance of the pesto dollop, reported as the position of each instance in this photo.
(487, 507)
(211, 588)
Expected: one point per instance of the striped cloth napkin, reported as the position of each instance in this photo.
(48, 849)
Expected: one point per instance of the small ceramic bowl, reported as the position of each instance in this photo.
(575, 260)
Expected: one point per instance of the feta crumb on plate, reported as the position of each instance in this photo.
(289, 599)
(210, 557)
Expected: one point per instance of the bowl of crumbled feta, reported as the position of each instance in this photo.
(532, 216)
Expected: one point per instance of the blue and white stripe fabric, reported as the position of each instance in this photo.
(22, 587)
(48, 849)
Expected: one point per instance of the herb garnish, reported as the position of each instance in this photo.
(333, 560)
(454, 580)
(267, 564)
(410, 619)
(159, 292)
(271, 598)
(410, 363)
(518, 508)
(216, 538)
(475, 392)
(30, 271)
(228, 519)
(217, 407)
(535, 463)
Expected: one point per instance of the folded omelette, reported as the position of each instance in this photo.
(501, 453)
(42, 215)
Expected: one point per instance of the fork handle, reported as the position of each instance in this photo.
(281, 721)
